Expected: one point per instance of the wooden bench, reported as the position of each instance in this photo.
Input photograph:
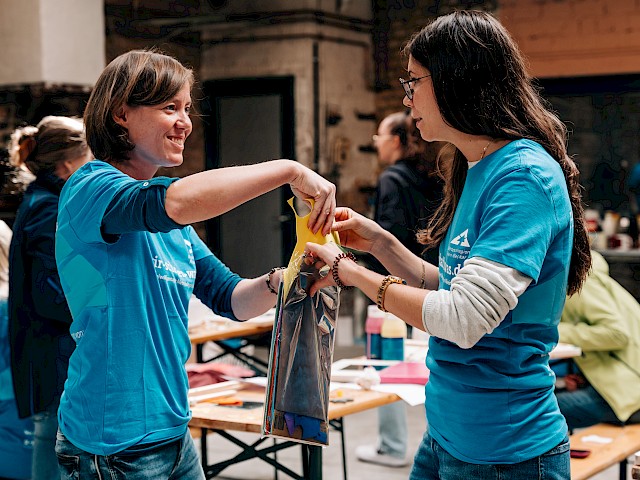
(625, 442)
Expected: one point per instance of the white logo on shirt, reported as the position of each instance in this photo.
(461, 239)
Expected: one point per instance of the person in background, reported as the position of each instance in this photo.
(409, 188)
(16, 434)
(39, 317)
(604, 321)
(513, 244)
(408, 192)
(129, 261)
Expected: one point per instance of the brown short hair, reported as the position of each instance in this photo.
(138, 77)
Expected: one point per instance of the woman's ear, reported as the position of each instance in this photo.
(120, 116)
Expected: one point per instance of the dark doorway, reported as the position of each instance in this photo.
(249, 121)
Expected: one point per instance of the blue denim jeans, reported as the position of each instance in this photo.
(44, 465)
(393, 429)
(177, 460)
(432, 462)
(585, 407)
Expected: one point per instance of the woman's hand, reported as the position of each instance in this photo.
(357, 231)
(321, 255)
(308, 184)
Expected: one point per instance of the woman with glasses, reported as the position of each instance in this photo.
(129, 262)
(512, 244)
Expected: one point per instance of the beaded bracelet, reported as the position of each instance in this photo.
(388, 280)
(268, 280)
(334, 269)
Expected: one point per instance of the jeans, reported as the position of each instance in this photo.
(393, 429)
(432, 462)
(177, 460)
(44, 464)
(585, 407)
(16, 442)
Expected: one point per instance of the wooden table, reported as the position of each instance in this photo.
(223, 419)
(218, 330)
(625, 441)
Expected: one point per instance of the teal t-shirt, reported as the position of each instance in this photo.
(129, 299)
(494, 402)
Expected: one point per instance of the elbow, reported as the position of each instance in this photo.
(620, 339)
(468, 342)
(175, 208)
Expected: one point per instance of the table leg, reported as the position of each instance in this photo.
(338, 425)
(315, 462)
(203, 448)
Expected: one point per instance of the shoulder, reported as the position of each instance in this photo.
(38, 201)
(95, 177)
(531, 157)
(395, 174)
(93, 170)
(524, 165)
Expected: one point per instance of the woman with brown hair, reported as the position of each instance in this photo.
(39, 317)
(129, 262)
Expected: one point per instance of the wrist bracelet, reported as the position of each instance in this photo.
(268, 280)
(386, 281)
(423, 279)
(334, 269)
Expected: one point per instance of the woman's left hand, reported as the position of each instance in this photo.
(321, 255)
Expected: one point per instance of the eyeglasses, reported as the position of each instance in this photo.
(406, 84)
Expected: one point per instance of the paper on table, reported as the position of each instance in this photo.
(596, 439)
(412, 394)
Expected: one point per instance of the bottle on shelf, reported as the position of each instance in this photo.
(393, 333)
(372, 328)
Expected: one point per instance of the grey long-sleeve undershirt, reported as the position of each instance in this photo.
(481, 295)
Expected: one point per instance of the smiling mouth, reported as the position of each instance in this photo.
(177, 141)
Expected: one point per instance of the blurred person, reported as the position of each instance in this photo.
(604, 321)
(129, 261)
(39, 317)
(409, 188)
(408, 192)
(513, 244)
(16, 434)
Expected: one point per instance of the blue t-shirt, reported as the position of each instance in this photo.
(494, 403)
(129, 298)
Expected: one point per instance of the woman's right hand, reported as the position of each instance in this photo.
(357, 231)
(308, 184)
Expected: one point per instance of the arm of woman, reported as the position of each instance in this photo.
(592, 319)
(481, 296)
(252, 297)
(207, 194)
(360, 233)
(407, 305)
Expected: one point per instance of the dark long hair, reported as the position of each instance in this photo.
(482, 88)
